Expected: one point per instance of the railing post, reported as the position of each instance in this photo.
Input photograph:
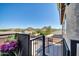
(43, 45)
(73, 48)
(24, 44)
(66, 51)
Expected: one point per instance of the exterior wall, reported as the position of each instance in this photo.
(72, 22)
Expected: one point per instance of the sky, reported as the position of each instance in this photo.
(23, 15)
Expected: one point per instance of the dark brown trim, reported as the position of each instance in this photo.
(62, 11)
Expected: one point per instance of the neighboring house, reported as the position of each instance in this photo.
(69, 13)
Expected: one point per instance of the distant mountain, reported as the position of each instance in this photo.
(45, 29)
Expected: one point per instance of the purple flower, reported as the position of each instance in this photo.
(10, 46)
(4, 48)
(13, 44)
(0, 48)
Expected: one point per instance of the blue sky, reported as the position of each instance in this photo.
(29, 15)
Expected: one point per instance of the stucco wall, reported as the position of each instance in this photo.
(72, 23)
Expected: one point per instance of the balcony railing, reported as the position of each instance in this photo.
(66, 51)
(37, 46)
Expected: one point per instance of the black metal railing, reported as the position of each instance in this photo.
(38, 46)
(66, 51)
(53, 48)
(42, 46)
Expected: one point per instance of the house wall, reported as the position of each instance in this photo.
(72, 23)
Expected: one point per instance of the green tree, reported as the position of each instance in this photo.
(46, 30)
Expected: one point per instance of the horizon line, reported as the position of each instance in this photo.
(28, 27)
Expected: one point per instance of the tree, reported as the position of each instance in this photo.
(38, 30)
(48, 30)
